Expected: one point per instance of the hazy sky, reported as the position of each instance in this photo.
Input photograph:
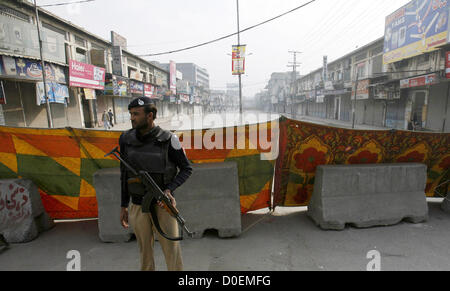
(325, 27)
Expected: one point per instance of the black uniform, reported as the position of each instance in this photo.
(157, 152)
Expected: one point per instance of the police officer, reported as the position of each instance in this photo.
(148, 147)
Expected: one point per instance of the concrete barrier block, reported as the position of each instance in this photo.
(210, 200)
(22, 215)
(368, 195)
(446, 204)
(108, 193)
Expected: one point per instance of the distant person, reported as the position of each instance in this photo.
(111, 115)
(105, 119)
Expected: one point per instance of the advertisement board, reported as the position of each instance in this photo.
(2, 93)
(447, 65)
(136, 88)
(150, 91)
(238, 59)
(31, 69)
(430, 79)
(173, 78)
(362, 92)
(116, 86)
(86, 76)
(416, 28)
(56, 93)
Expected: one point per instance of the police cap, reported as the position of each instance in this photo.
(140, 102)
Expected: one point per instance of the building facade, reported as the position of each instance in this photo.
(74, 101)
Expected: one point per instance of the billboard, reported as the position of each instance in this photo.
(416, 28)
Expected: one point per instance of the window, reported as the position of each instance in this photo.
(80, 55)
(361, 70)
(15, 13)
(55, 29)
(425, 58)
(79, 41)
(132, 63)
(377, 51)
(361, 57)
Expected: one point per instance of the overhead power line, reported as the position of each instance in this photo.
(66, 3)
(229, 35)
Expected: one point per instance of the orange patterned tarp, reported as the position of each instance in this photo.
(62, 162)
(304, 146)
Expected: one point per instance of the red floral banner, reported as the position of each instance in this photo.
(304, 146)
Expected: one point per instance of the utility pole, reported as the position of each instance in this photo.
(47, 101)
(240, 75)
(294, 65)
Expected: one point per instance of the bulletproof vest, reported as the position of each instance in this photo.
(151, 155)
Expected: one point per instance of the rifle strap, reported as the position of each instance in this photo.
(158, 226)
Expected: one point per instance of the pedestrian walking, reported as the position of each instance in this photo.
(105, 119)
(111, 118)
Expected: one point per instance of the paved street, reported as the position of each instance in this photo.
(230, 119)
(285, 241)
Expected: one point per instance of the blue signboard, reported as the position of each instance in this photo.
(2, 71)
(418, 27)
(56, 93)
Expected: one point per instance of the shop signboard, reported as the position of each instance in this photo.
(426, 80)
(320, 95)
(362, 92)
(447, 65)
(86, 76)
(116, 86)
(150, 91)
(31, 70)
(184, 97)
(56, 93)
(2, 93)
(416, 28)
(2, 71)
(89, 94)
(2, 117)
(136, 88)
(173, 77)
(117, 60)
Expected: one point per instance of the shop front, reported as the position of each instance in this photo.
(23, 102)
(116, 98)
(418, 91)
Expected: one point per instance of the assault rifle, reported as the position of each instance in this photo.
(152, 195)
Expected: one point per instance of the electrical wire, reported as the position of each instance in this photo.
(229, 35)
(65, 3)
